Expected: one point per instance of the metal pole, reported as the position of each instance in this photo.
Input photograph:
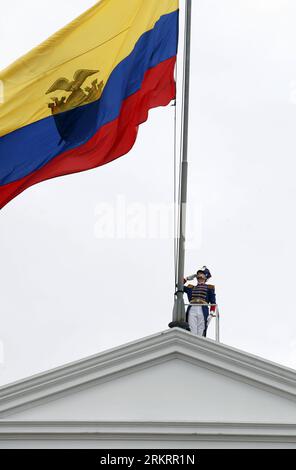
(179, 307)
(217, 326)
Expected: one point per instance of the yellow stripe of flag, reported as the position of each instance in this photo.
(99, 39)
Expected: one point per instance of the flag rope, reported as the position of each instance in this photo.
(177, 197)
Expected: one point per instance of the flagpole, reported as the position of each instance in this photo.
(179, 317)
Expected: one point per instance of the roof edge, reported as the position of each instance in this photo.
(159, 347)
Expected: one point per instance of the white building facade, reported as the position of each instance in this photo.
(169, 390)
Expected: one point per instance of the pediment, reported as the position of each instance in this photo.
(170, 376)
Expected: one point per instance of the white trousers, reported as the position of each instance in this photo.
(196, 320)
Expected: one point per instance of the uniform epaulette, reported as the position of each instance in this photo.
(211, 286)
(190, 286)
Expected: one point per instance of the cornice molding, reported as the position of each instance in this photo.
(153, 430)
(143, 353)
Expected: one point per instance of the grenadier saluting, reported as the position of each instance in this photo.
(202, 298)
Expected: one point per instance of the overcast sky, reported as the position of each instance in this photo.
(66, 292)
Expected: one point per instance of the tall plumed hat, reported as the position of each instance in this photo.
(205, 271)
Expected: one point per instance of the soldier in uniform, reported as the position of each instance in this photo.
(200, 297)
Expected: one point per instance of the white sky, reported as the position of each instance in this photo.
(65, 294)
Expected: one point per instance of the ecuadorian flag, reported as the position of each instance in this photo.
(75, 102)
